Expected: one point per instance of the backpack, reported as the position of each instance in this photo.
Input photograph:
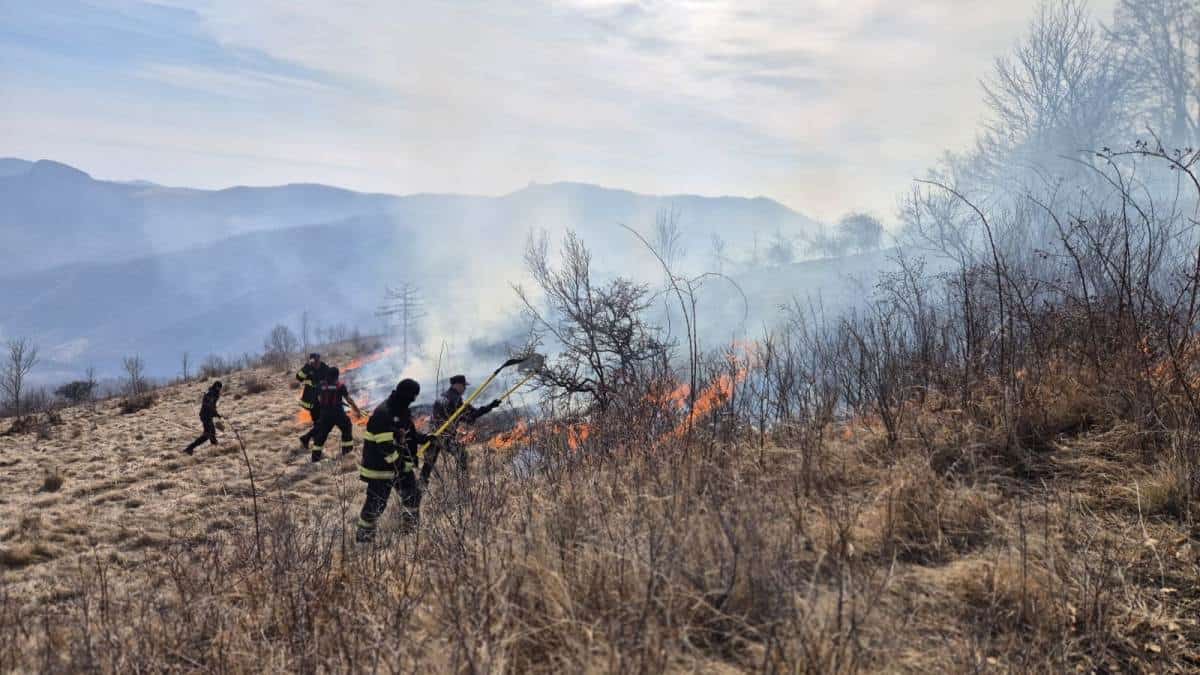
(329, 395)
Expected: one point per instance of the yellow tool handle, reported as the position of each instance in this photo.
(450, 420)
(516, 386)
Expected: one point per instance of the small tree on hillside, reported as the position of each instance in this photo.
(781, 251)
(599, 329)
(279, 346)
(860, 232)
(22, 357)
(79, 391)
(719, 253)
(668, 237)
(135, 369)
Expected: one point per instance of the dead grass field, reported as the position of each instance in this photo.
(629, 556)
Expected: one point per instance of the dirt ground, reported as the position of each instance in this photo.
(127, 489)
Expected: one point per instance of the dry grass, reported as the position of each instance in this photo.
(628, 556)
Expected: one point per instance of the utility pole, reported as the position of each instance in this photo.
(406, 307)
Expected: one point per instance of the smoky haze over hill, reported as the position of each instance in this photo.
(96, 270)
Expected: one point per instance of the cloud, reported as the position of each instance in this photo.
(829, 105)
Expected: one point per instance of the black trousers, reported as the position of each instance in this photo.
(378, 492)
(450, 446)
(210, 434)
(314, 413)
(325, 425)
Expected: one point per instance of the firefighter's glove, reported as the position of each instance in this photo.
(493, 405)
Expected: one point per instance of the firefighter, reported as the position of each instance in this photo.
(208, 410)
(443, 408)
(331, 394)
(311, 375)
(389, 461)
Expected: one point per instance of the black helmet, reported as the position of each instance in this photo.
(216, 385)
(407, 390)
(314, 355)
(459, 379)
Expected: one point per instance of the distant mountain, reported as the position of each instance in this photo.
(52, 214)
(95, 270)
(224, 297)
(12, 167)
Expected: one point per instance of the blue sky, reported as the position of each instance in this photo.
(826, 105)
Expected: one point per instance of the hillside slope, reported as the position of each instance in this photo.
(128, 492)
(616, 555)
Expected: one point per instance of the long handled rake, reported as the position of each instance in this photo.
(530, 364)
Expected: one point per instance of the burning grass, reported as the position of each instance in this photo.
(626, 546)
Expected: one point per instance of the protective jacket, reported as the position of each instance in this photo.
(451, 400)
(208, 406)
(309, 375)
(390, 442)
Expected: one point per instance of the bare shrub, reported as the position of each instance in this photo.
(254, 384)
(132, 404)
(76, 392)
(215, 366)
(279, 347)
(135, 372)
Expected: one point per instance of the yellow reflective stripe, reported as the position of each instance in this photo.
(375, 474)
(385, 437)
(348, 444)
(391, 459)
(305, 405)
(365, 524)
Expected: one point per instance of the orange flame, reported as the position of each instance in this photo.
(507, 440)
(361, 361)
(712, 397)
(577, 435)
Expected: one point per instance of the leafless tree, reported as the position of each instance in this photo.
(135, 369)
(668, 237)
(1160, 40)
(279, 346)
(602, 340)
(404, 306)
(1063, 92)
(305, 331)
(185, 364)
(719, 255)
(782, 250)
(22, 357)
(92, 385)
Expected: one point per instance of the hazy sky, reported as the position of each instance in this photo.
(826, 105)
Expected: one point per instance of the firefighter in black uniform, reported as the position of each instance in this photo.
(389, 461)
(330, 396)
(443, 408)
(311, 375)
(208, 410)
